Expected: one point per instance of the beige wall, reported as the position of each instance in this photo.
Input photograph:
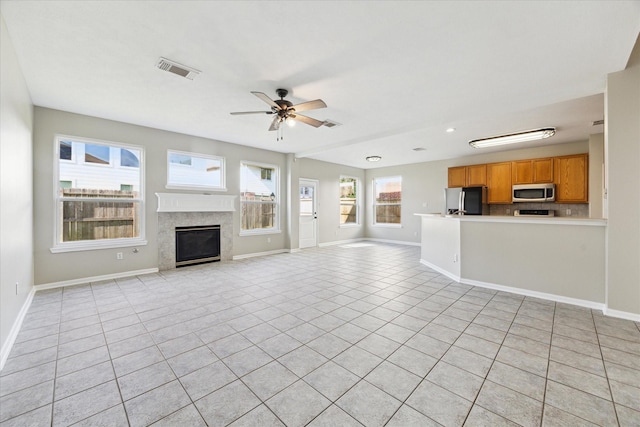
(622, 142)
(596, 175)
(51, 268)
(16, 195)
(557, 259)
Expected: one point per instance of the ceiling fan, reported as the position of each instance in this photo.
(285, 111)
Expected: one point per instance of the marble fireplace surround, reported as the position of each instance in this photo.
(180, 210)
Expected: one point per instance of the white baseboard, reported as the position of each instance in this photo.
(536, 294)
(256, 254)
(621, 314)
(395, 242)
(13, 333)
(440, 270)
(85, 280)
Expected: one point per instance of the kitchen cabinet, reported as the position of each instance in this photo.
(476, 175)
(571, 175)
(533, 171)
(468, 176)
(499, 183)
(457, 176)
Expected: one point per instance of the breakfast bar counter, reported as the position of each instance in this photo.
(557, 258)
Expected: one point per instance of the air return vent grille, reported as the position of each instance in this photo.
(598, 122)
(179, 69)
(330, 123)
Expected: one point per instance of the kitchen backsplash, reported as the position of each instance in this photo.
(578, 210)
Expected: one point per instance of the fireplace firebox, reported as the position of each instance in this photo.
(197, 244)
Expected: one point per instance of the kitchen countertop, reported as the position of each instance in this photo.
(551, 220)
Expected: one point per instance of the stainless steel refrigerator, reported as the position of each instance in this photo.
(466, 201)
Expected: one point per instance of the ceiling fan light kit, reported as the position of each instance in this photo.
(513, 138)
(286, 112)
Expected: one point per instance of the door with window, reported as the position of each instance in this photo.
(308, 214)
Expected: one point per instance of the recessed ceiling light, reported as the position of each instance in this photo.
(419, 149)
(449, 130)
(512, 138)
(374, 158)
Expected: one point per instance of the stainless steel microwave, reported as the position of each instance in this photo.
(534, 193)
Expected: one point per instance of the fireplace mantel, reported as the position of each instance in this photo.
(182, 202)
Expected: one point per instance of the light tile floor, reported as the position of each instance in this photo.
(360, 334)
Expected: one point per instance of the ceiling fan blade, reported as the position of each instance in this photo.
(307, 120)
(275, 124)
(266, 99)
(309, 105)
(237, 113)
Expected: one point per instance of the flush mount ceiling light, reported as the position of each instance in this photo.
(419, 149)
(374, 158)
(449, 130)
(513, 138)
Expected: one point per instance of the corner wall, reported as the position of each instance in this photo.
(16, 193)
(622, 148)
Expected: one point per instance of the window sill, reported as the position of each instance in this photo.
(387, 225)
(96, 245)
(349, 225)
(258, 232)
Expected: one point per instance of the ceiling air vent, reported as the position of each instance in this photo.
(330, 123)
(598, 122)
(179, 69)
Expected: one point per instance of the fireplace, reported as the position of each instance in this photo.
(177, 210)
(197, 244)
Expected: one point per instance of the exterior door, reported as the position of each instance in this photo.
(308, 214)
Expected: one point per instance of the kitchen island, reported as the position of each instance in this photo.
(561, 259)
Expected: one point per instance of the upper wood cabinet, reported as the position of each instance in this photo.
(457, 176)
(476, 175)
(532, 171)
(542, 170)
(468, 176)
(571, 176)
(499, 183)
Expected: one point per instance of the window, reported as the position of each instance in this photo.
(94, 209)
(259, 198)
(349, 191)
(99, 154)
(265, 174)
(189, 170)
(387, 200)
(65, 150)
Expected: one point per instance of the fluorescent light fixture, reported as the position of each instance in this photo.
(513, 138)
(374, 158)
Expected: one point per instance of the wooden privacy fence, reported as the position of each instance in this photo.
(257, 211)
(98, 219)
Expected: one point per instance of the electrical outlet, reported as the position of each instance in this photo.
(508, 211)
(268, 239)
(568, 212)
(119, 255)
(455, 257)
(17, 286)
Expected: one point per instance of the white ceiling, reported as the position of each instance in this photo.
(395, 75)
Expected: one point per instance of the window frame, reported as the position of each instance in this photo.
(357, 203)
(177, 186)
(276, 229)
(58, 245)
(375, 204)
